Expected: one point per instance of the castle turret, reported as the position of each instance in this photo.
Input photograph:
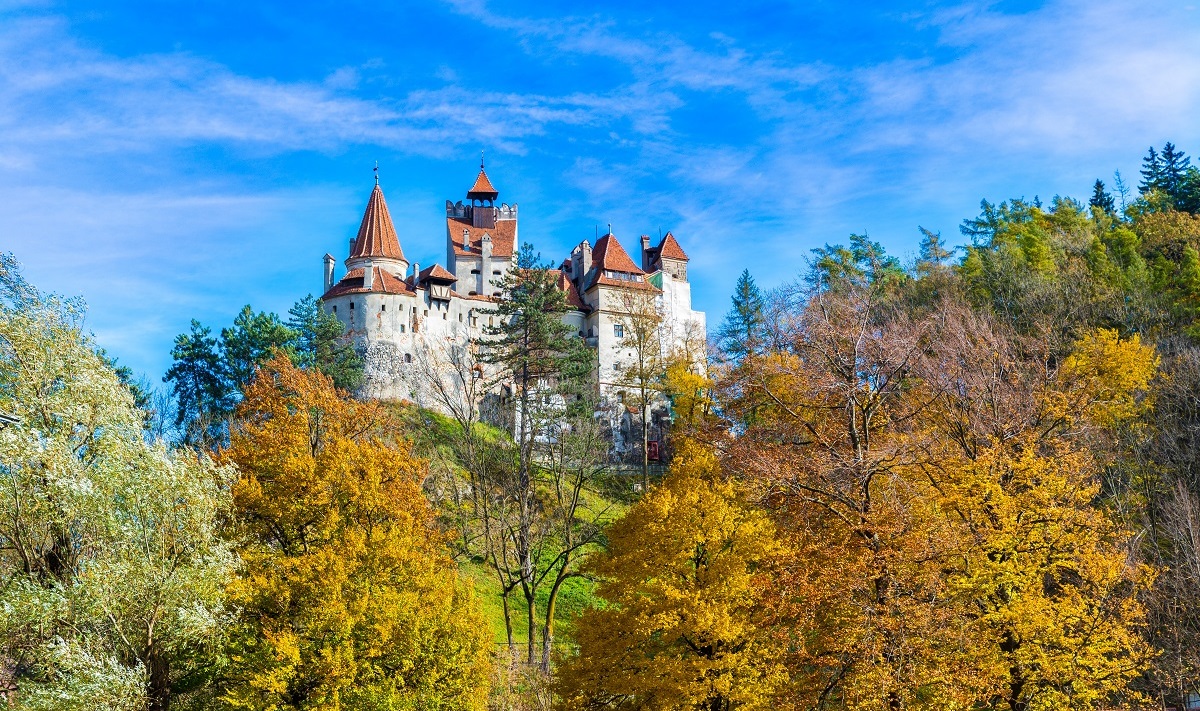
(377, 244)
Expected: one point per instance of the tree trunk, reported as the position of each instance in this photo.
(158, 685)
(645, 442)
(531, 606)
(512, 645)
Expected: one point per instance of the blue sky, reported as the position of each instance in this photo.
(176, 160)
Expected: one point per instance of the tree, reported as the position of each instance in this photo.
(532, 348)
(1173, 172)
(1152, 172)
(251, 341)
(112, 571)
(320, 343)
(1101, 201)
(741, 334)
(347, 597)
(202, 395)
(640, 375)
(683, 624)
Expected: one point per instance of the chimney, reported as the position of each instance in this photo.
(351, 247)
(329, 261)
(645, 253)
(368, 277)
(416, 274)
(586, 248)
(467, 239)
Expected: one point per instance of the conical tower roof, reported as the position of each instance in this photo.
(377, 235)
(482, 189)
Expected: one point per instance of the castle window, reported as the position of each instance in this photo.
(460, 318)
(474, 271)
(445, 317)
(496, 294)
(472, 293)
(495, 272)
(490, 321)
(335, 308)
(402, 328)
(383, 307)
(619, 330)
(351, 305)
(408, 357)
(426, 312)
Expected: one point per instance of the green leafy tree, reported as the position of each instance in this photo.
(112, 572)
(319, 343)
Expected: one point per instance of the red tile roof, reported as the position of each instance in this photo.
(436, 272)
(384, 282)
(482, 187)
(669, 248)
(376, 235)
(568, 286)
(504, 237)
(609, 255)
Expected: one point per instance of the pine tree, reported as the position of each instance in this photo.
(533, 349)
(251, 341)
(1174, 171)
(319, 344)
(1101, 201)
(1152, 172)
(202, 395)
(741, 334)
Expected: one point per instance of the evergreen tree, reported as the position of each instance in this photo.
(1189, 192)
(532, 348)
(202, 394)
(742, 333)
(1101, 201)
(1152, 172)
(251, 341)
(319, 344)
(1174, 170)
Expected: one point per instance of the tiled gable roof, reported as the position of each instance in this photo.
(609, 255)
(377, 235)
(568, 286)
(383, 282)
(436, 272)
(669, 248)
(504, 236)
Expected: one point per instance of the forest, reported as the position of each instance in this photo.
(969, 481)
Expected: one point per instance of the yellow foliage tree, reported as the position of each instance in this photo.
(1047, 573)
(348, 599)
(682, 621)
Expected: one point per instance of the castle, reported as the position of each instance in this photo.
(407, 321)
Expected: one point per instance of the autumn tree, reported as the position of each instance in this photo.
(112, 571)
(640, 369)
(347, 596)
(682, 626)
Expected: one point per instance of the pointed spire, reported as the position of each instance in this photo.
(377, 235)
(482, 189)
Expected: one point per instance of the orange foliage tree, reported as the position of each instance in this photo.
(347, 597)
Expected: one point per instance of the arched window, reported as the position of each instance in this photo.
(408, 357)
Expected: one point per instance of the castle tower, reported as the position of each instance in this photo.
(377, 244)
(481, 238)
